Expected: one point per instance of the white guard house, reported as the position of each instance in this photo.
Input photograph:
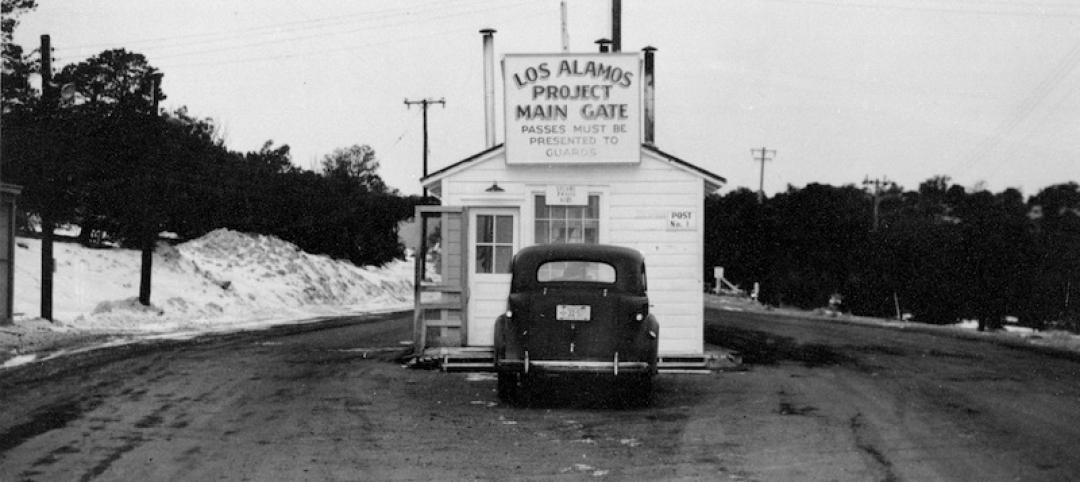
(573, 169)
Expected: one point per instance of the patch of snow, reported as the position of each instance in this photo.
(18, 360)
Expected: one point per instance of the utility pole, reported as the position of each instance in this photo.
(424, 103)
(48, 264)
(149, 234)
(880, 186)
(762, 155)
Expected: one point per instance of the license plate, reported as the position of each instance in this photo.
(573, 312)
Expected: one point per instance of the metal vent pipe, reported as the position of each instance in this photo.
(489, 86)
(616, 25)
(650, 96)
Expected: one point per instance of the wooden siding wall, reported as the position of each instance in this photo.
(636, 201)
(452, 241)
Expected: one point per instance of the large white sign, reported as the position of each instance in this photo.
(572, 108)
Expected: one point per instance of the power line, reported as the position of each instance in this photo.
(314, 32)
(345, 48)
(309, 53)
(296, 25)
(319, 35)
(1015, 10)
(1026, 107)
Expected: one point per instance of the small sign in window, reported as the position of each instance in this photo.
(567, 195)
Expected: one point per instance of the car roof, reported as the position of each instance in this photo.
(627, 261)
(581, 252)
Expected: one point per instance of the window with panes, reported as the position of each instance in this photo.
(494, 243)
(567, 224)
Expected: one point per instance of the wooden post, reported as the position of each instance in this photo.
(48, 264)
(149, 235)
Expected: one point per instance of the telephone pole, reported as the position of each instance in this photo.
(48, 264)
(880, 187)
(762, 155)
(149, 235)
(424, 103)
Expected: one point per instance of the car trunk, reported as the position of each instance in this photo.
(575, 324)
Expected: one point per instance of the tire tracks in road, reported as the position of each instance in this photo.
(864, 442)
(918, 406)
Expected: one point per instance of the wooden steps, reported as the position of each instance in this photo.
(463, 359)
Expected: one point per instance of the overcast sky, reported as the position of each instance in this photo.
(983, 91)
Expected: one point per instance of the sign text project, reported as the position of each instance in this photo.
(572, 108)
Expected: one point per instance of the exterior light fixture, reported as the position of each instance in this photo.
(494, 187)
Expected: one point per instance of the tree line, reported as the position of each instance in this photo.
(103, 157)
(940, 253)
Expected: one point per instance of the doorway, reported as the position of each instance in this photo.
(494, 237)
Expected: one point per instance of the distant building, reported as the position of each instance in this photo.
(7, 252)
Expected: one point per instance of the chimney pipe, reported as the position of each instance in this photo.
(565, 32)
(650, 97)
(616, 25)
(489, 86)
(605, 45)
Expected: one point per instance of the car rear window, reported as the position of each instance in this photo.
(587, 271)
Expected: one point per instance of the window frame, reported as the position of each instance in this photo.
(567, 218)
(494, 244)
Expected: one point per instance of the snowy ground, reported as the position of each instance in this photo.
(224, 281)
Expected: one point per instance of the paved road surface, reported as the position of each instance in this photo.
(817, 401)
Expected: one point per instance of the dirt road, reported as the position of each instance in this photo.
(817, 401)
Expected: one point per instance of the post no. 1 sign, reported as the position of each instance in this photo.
(572, 108)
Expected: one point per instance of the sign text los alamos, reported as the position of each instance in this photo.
(572, 108)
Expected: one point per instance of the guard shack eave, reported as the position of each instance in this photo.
(433, 182)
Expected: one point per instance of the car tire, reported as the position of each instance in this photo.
(634, 391)
(508, 389)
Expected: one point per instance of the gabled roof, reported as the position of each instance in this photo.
(714, 180)
(467, 160)
(709, 176)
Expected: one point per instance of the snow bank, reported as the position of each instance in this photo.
(225, 280)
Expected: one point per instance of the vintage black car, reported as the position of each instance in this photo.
(576, 309)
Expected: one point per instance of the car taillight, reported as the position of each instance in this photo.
(641, 313)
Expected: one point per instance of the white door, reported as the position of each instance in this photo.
(494, 235)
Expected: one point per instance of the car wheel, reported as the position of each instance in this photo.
(636, 391)
(508, 387)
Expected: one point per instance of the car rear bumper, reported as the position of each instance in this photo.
(612, 367)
